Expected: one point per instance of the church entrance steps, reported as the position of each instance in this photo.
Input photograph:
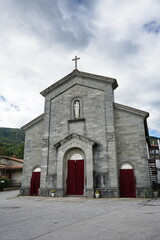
(82, 199)
(74, 196)
(67, 199)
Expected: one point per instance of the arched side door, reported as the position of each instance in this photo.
(35, 182)
(127, 181)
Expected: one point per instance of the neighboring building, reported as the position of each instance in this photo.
(11, 167)
(85, 141)
(155, 159)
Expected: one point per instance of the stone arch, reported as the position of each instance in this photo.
(76, 156)
(73, 151)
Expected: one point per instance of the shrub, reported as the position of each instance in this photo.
(5, 182)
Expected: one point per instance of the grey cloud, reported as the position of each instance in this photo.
(121, 51)
(2, 98)
(37, 36)
(46, 19)
(9, 105)
(75, 5)
(15, 107)
(152, 27)
(125, 48)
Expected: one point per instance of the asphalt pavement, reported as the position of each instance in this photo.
(78, 218)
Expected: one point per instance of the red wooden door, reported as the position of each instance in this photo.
(71, 178)
(75, 179)
(127, 183)
(35, 183)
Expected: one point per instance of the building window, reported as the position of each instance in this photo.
(127, 166)
(76, 156)
(37, 169)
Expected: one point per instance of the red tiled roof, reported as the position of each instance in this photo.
(16, 167)
(13, 158)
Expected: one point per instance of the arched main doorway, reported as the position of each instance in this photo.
(74, 144)
(127, 181)
(75, 173)
(35, 181)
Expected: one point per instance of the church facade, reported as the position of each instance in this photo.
(85, 141)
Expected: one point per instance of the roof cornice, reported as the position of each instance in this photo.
(31, 123)
(131, 110)
(76, 72)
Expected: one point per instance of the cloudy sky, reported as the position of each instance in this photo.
(114, 38)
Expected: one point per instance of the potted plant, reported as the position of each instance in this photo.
(97, 193)
(52, 192)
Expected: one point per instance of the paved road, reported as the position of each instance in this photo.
(39, 218)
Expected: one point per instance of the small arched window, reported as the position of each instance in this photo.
(76, 156)
(127, 166)
(37, 169)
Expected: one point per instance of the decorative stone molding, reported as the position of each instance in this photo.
(73, 136)
(76, 73)
(45, 142)
(76, 120)
(110, 136)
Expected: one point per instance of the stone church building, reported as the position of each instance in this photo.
(85, 141)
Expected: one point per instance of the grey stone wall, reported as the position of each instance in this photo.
(131, 145)
(117, 136)
(96, 122)
(33, 151)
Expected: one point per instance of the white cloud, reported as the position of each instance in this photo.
(116, 38)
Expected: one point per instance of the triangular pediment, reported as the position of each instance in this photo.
(74, 136)
(77, 73)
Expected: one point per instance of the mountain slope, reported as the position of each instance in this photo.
(12, 142)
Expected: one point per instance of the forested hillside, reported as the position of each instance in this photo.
(11, 142)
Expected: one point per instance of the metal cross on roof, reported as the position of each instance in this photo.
(75, 59)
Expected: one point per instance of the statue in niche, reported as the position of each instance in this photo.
(76, 109)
